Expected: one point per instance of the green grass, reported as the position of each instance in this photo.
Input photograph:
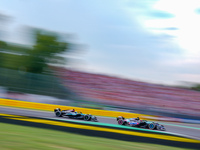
(15, 137)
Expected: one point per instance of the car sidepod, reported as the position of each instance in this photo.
(134, 123)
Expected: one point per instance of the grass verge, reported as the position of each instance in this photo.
(15, 137)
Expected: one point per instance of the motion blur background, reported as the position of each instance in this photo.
(130, 55)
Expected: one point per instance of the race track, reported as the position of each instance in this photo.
(187, 130)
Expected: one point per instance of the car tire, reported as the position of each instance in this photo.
(58, 114)
(120, 117)
(57, 109)
(120, 122)
(87, 117)
(152, 126)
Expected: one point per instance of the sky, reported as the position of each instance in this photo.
(156, 41)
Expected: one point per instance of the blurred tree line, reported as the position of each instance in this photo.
(25, 68)
(34, 59)
(196, 87)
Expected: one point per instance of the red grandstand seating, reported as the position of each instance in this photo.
(123, 92)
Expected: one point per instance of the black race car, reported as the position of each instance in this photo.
(136, 122)
(74, 114)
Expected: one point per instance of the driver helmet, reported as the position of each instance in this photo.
(137, 118)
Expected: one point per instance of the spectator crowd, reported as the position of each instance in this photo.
(129, 93)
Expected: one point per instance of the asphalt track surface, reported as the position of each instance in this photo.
(184, 129)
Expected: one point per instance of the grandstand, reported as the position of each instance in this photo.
(128, 93)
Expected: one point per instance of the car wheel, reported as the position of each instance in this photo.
(87, 117)
(152, 126)
(57, 109)
(120, 122)
(120, 117)
(58, 114)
